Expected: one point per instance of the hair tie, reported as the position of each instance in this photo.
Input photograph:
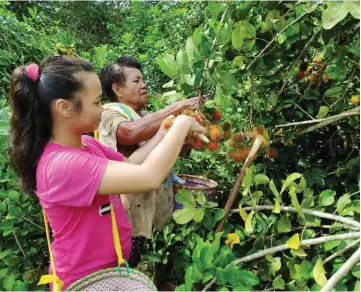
(33, 72)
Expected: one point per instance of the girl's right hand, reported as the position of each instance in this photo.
(193, 124)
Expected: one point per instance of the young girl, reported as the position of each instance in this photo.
(74, 176)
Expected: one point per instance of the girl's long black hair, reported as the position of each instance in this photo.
(31, 121)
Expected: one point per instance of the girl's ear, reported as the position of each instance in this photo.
(64, 107)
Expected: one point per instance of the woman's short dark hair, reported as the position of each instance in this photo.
(115, 73)
(30, 101)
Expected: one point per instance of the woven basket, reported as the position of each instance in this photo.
(114, 279)
(195, 184)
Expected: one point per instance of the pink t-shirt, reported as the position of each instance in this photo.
(67, 180)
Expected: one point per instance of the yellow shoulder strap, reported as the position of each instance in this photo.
(46, 279)
(57, 283)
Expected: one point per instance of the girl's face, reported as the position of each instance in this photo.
(87, 118)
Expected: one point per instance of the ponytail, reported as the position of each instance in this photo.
(32, 91)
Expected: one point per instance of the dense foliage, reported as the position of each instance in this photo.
(264, 64)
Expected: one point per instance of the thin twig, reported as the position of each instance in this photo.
(303, 110)
(351, 112)
(283, 247)
(340, 252)
(346, 90)
(299, 57)
(305, 211)
(324, 145)
(353, 62)
(342, 272)
(32, 222)
(283, 30)
(22, 251)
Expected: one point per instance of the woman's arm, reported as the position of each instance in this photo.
(133, 132)
(125, 178)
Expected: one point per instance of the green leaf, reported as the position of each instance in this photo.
(248, 224)
(261, 179)
(9, 282)
(327, 198)
(192, 52)
(201, 198)
(342, 202)
(295, 202)
(306, 268)
(197, 35)
(238, 62)
(5, 253)
(243, 30)
(169, 84)
(173, 96)
(277, 207)
(334, 13)
(198, 216)
(330, 245)
(273, 98)
(182, 61)
(14, 196)
(353, 7)
(154, 257)
(181, 288)
(278, 283)
(248, 278)
(299, 252)
(247, 180)
(225, 33)
(186, 198)
(294, 241)
(207, 276)
(184, 215)
(275, 264)
(188, 278)
(284, 225)
(319, 273)
(357, 286)
(335, 91)
(219, 215)
(214, 8)
(6, 226)
(274, 189)
(323, 111)
(221, 276)
(291, 178)
(167, 64)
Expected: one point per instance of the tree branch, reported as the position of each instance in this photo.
(299, 57)
(352, 112)
(336, 254)
(305, 211)
(331, 120)
(286, 27)
(257, 143)
(351, 235)
(341, 272)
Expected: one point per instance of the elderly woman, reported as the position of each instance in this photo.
(125, 128)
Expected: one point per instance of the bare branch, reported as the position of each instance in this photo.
(340, 252)
(257, 143)
(306, 211)
(313, 241)
(342, 272)
(352, 112)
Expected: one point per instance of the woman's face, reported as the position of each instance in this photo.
(88, 117)
(134, 91)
